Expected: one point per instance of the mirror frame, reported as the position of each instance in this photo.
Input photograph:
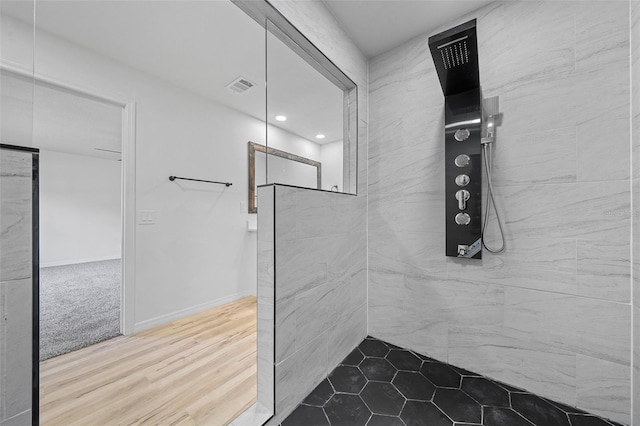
(253, 147)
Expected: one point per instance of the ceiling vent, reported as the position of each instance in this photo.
(240, 85)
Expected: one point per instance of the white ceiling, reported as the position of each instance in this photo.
(380, 25)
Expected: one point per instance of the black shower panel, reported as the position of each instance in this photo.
(455, 55)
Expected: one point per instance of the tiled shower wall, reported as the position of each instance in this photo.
(553, 313)
(320, 269)
(635, 129)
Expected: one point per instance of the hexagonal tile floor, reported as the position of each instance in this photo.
(379, 384)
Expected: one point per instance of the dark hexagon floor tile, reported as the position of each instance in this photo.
(458, 405)
(425, 358)
(346, 410)
(382, 398)
(354, 358)
(373, 347)
(498, 416)
(404, 360)
(586, 420)
(537, 410)
(306, 415)
(441, 374)
(508, 387)
(418, 413)
(346, 378)
(378, 369)
(320, 394)
(485, 391)
(377, 420)
(464, 372)
(414, 385)
(392, 346)
(566, 408)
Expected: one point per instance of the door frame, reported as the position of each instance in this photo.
(127, 179)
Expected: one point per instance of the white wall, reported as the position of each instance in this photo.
(331, 159)
(199, 252)
(80, 216)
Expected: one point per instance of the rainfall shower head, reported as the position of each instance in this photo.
(455, 55)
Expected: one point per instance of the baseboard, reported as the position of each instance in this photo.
(77, 261)
(176, 315)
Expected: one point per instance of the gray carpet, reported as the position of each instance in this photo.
(79, 306)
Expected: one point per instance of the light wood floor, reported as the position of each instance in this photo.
(200, 370)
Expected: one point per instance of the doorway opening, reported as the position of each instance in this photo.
(80, 141)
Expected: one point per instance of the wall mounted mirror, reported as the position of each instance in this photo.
(284, 167)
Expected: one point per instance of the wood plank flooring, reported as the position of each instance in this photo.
(200, 370)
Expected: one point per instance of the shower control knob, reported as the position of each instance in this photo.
(462, 135)
(462, 180)
(463, 219)
(462, 160)
(462, 196)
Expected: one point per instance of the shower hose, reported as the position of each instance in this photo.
(488, 164)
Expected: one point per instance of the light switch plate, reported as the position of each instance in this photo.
(146, 217)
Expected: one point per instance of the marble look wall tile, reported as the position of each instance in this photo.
(636, 366)
(635, 285)
(416, 253)
(15, 220)
(547, 156)
(322, 213)
(427, 336)
(424, 210)
(312, 313)
(343, 339)
(604, 270)
(15, 347)
(595, 210)
(456, 302)
(636, 209)
(265, 272)
(386, 288)
(535, 263)
(385, 212)
(285, 220)
(565, 100)
(602, 34)
(592, 376)
(297, 375)
(358, 288)
(346, 253)
(301, 265)
(285, 326)
(515, 359)
(585, 326)
(603, 151)
(265, 355)
(363, 156)
(529, 56)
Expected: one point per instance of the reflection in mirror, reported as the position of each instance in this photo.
(285, 168)
(306, 117)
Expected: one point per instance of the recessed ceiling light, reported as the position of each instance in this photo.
(281, 118)
(320, 136)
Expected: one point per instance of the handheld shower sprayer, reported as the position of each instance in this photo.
(491, 118)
